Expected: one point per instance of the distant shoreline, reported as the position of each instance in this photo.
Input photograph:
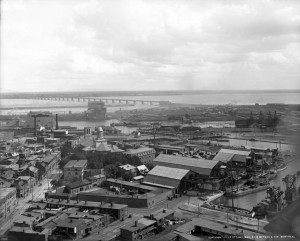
(20, 95)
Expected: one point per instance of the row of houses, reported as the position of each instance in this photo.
(64, 220)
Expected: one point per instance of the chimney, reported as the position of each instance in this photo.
(56, 120)
(136, 223)
(151, 216)
(164, 211)
(111, 204)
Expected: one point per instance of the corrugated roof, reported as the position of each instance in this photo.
(168, 172)
(201, 166)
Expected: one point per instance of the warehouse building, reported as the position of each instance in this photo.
(167, 176)
(201, 166)
(184, 172)
(237, 159)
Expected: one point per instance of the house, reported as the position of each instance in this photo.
(129, 168)
(78, 186)
(8, 201)
(33, 172)
(74, 170)
(97, 179)
(135, 230)
(51, 160)
(142, 169)
(30, 180)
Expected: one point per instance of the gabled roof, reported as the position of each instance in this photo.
(200, 166)
(226, 155)
(168, 172)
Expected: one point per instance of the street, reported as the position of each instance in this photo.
(23, 203)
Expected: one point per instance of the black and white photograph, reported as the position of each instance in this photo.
(149, 120)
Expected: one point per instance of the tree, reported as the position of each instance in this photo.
(111, 171)
(78, 156)
(63, 162)
(66, 149)
(127, 176)
(150, 165)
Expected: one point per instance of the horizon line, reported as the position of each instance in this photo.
(198, 90)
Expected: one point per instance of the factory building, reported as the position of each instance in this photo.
(145, 154)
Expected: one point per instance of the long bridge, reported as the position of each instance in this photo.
(105, 100)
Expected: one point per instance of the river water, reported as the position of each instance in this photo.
(248, 201)
(205, 98)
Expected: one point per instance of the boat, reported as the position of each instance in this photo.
(247, 189)
(211, 197)
(227, 209)
(247, 220)
(281, 167)
(272, 174)
(252, 139)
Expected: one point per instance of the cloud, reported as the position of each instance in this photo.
(144, 45)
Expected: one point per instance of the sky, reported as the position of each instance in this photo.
(98, 45)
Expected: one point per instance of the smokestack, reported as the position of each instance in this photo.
(56, 120)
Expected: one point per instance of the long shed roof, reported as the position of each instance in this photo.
(200, 166)
(169, 172)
